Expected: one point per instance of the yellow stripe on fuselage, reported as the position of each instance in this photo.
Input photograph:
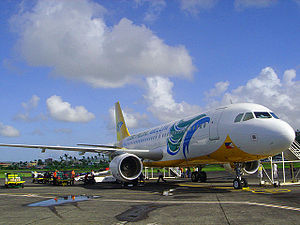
(221, 155)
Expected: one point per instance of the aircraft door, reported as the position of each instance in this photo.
(213, 125)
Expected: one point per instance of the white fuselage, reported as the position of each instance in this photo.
(216, 136)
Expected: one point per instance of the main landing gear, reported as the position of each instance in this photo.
(239, 182)
(196, 176)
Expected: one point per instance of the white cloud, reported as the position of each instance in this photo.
(218, 90)
(63, 111)
(32, 103)
(8, 131)
(28, 107)
(154, 8)
(71, 37)
(289, 76)
(282, 96)
(194, 6)
(242, 4)
(132, 119)
(161, 101)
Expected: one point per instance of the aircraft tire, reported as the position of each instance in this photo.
(195, 177)
(202, 176)
(237, 184)
(244, 182)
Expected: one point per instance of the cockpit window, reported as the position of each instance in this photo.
(238, 117)
(274, 115)
(248, 116)
(262, 115)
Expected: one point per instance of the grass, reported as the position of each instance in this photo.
(207, 168)
(2, 174)
(267, 165)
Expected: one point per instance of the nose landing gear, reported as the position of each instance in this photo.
(239, 182)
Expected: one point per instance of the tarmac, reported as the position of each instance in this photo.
(178, 201)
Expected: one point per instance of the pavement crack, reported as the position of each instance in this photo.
(222, 209)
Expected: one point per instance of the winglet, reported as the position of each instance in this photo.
(122, 131)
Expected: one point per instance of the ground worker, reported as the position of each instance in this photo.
(141, 179)
(160, 176)
(275, 171)
(73, 176)
(55, 177)
(260, 173)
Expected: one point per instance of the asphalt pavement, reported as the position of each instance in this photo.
(178, 201)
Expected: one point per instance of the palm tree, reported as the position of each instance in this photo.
(66, 156)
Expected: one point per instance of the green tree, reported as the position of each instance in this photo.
(40, 162)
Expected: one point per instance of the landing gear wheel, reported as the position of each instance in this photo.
(276, 184)
(195, 177)
(237, 184)
(202, 176)
(244, 182)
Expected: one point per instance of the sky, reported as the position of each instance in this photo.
(63, 65)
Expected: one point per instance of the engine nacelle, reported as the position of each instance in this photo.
(250, 167)
(247, 167)
(126, 167)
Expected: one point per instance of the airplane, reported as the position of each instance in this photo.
(235, 135)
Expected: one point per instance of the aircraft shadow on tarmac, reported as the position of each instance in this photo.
(161, 187)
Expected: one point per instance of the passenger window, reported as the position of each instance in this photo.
(262, 115)
(238, 117)
(274, 115)
(248, 116)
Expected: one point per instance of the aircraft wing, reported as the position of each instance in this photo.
(105, 146)
(146, 154)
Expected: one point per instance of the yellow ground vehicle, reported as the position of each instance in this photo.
(13, 180)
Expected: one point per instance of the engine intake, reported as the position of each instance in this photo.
(250, 167)
(126, 167)
(247, 167)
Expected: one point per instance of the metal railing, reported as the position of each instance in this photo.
(295, 149)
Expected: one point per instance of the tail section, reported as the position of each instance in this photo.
(122, 131)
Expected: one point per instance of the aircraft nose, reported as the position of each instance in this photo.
(283, 137)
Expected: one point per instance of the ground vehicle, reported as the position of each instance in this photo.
(48, 178)
(89, 179)
(63, 178)
(13, 180)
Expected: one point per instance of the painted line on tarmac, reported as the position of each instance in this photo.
(253, 190)
(204, 186)
(202, 202)
(168, 202)
(24, 195)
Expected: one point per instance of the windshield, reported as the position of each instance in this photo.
(262, 115)
(248, 116)
(238, 117)
(274, 115)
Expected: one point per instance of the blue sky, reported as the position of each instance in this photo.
(63, 65)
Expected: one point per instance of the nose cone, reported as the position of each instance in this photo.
(264, 136)
(282, 136)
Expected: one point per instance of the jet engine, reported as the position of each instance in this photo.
(250, 167)
(247, 167)
(126, 167)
